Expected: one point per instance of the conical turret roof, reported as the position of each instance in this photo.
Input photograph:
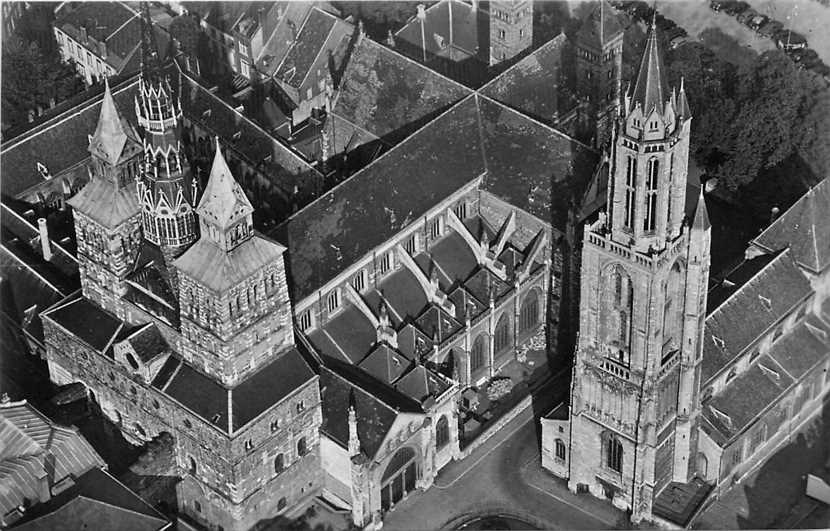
(701, 221)
(111, 134)
(223, 201)
(651, 89)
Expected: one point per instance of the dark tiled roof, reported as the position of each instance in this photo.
(110, 22)
(748, 313)
(106, 203)
(408, 339)
(531, 85)
(306, 48)
(376, 405)
(279, 42)
(287, 373)
(454, 257)
(390, 96)
(805, 228)
(449, 27)
(421, 383)
(385, 363)
(148, 342)
(89, 323)
(59, 143)
(22, 288)
(96, 500)
(678, 502)
(436, 323)
(735, 279)
(202, 395)
(532, 166)
(745, 397)
(330, 233)
(802, 348)
(348, 334)
(403, 293)
(220, 270)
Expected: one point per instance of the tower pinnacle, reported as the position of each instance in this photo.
(111, 134)
(651, 90)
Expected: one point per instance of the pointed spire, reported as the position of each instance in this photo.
(109, 138)
(701, 221)
(682, 102)
(150, 61)
(651, 90)
(223, 201)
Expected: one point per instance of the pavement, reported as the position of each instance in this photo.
(504, 476)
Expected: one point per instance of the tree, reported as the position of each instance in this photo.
(32, 82)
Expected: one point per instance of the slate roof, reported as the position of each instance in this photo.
(96, 500)
(678, 502)
(531, 86)
(88, 322)
(651, 89)
(802, 348)
(600, 25)
(61, 142)
(532, 166)
(22, 288)
(253, 396)
(748, 313)
(805, 228)
(349, 335)
(388, 95)
(110, 22)
(306, 48)
(449, 27)
(219, 270)
(377, 405)
(106, 203)
(385, 363)
(223, 202)
(29, 441)
(330, 233)
(421, 383)
(278, 44)
(148, 342)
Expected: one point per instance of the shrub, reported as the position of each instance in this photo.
(499, 387)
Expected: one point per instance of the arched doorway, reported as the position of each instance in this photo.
(398, 479)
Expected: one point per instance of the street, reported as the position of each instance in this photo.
(503, 476)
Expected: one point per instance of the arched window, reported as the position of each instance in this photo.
(613, 450)
(502, 334)
(477, 354)
(650, 221)
(630, 187)
(191, 465)
(279, 463)
(673, 310)
(561, 449)
(529, 314)
(616, 313)
(442, 432)
(302, 449)
(702, 465)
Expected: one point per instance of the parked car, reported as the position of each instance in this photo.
(770, 28)
(789, 40)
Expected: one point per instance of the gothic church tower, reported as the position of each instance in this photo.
(166, 187)
(106, 211)
(511, 28)
(599, 44)
(643, 298)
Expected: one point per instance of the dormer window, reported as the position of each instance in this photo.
(766, 302)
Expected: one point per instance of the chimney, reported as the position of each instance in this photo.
(45, 244)
(390, 39)
(422, 14)
(83, 34)
(102, 49)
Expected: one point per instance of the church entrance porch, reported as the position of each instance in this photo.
(399, 478)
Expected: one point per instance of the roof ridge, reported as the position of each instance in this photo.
(419, 65)
(293, 43)
(35, 229)
(120, 508)
(71, 112)
(760, 272)
(31, 269)
(320, 51)
(273, 140)
(375, 161)
(804, 197)
(364, 391)
(544, 125)
(564, 39)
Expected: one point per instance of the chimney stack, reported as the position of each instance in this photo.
(45, 244)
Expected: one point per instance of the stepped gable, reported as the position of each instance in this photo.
(532, 166)
(745, 315)
(329, 234)
(531, 86)
(804, 228)
(388, 96)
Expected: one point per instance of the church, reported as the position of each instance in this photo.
(329, 353)
(679, 390)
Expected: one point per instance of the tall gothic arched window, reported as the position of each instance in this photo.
(612, 450)
(477, 354)
(442, 432)
(529, 314)
(650, 221)
(630, 187)
(501, 339)
(673, 310)
(616, 312)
